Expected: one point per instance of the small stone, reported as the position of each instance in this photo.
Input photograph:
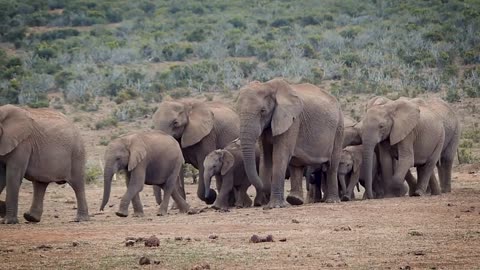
(283, 239)
(269, 238)
(178, 238)
(56, 216)
(309, 255)
(144, 261)
(152, 241)
(213, 236)
(44, 247)
(295, 221)
(130, 243)
(203, 266)
(457, 216)
(111, 205)
(450, 204)
(75, 244)
(415, 233)
(255, 239)
(419, 253)
(329, 265)
(156, 262)
(266, 247)
(188, 239)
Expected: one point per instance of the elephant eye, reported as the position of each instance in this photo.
(263, 111)
(381, 126)
(175, 123)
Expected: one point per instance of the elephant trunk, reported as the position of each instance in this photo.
(367, 163)
(107, 184)
(207, 178)
(342, 182)
(248, 139)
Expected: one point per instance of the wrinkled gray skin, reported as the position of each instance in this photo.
(152, 158)
(407, 132)
(284, 118)
(200, 128)
(43, 146)
(227, 165)
(351, 132)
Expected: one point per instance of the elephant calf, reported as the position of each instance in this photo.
(151, 158)
(42, 146)
(227, 165)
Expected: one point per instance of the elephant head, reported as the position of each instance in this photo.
(186, 121)
(16, 125)
(392, 121)
(217, 162)
(349, 165)
(270, 105)
(122, 154)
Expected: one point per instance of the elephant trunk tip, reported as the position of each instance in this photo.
(207, 192)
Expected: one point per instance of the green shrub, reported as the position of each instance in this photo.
(93, 173)
(281, 22)
(131, 110)
(62, 78)
(452, 95)
(197, 35)
(106, 123)
(180, 93)
(350, 59)
(465, 156)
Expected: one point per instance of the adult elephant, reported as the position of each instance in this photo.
(403, 130)
(297, 125)
(200, 128)
(42, 146)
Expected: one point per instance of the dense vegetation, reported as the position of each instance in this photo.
(375, 46)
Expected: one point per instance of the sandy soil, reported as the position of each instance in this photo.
(441, 232)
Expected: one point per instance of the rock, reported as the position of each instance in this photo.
(213, 236)
(56, 216)
(343, 228)
(75, 244)
(269, 238)
(329, 265)
(203, 266)
(144, 261)
(415, 233)
(450, 204)
(309, 255)
(111, 205)
(152, 241)
(157, 262)
(178, 238)
(283, 239)
(295, 221)
(419, 253)
(457, 216)
(130, 243)
(188, 239)
(255, 239)
(44, 247)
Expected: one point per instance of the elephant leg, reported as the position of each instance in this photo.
(445, 174)
(402, 166)
(201, 188)
(222, 202)
(242, 192)
(157, 191)
(412, 182)
(3, 183)
(342, 187)
(137, 203)
(349, 193)
(180, 201)
(170, 186)
(14, 176)
(265, 173)
(36, 209)
(296, 192)
(425, 172)
(434, 185)
(332, 181)
(78, 185)
(135, 185)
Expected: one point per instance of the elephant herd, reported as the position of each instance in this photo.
(277, 131)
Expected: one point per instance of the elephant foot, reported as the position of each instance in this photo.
(212, 196)
(223, 210)
(138, 214)
(9, 220)
(82, 218)
(174, 206)
(275, 203)
(220, 207)
(121, 214)
(295, 198)
(332, 199)
(260, 200)
(419, 193)
(3, 209)
(345, 198)
(161, 213)
(31, 217)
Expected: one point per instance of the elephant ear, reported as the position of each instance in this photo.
(228, 161)
(16, 125)
(405, 117)
(200, 124)
(138, 151)
(376, 101)
(288, 107)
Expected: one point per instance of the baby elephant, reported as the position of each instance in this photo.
(349, 174)
(152, 158)
(227, 165)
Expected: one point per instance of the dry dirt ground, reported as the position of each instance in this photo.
(441, 232)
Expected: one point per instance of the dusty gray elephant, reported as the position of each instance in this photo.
(297, 126)
(452, 129)
(43, 146)
(227, 165)
(200, 128)
(152, 158)
(407, 132)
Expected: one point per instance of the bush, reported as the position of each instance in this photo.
(452, 95)
(106, 123)
(280, 22)
(93, 173)
(180, 93)
(197, 35)
(131, 110)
